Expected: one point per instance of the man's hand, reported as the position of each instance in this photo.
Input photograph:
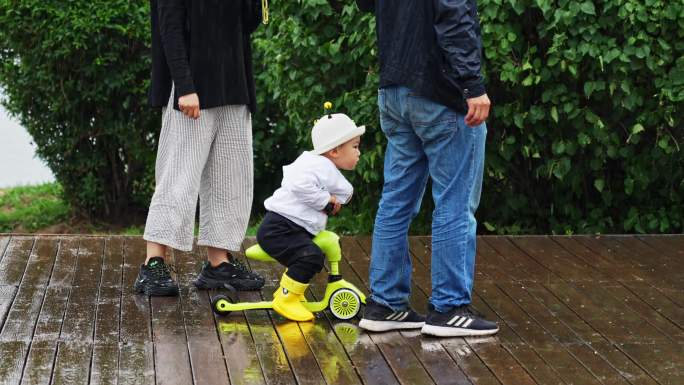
(189, 105)
(478, 110)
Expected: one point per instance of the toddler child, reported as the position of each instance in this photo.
(312, 188)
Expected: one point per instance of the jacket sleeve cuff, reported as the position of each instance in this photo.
(472, 88)
(320, 205)
(184, 87)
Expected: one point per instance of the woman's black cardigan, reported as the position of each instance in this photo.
(204, 47)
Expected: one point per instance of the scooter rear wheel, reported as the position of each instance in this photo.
(220, 304)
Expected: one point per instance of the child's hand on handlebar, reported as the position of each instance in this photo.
(333, 207)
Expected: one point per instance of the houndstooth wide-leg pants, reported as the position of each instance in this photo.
(210, 157)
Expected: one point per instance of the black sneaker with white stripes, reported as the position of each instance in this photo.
(461, 321)
(380, 318)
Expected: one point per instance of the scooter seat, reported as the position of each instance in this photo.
(256, 253)
(328, 241)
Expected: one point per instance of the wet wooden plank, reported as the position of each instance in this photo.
(136, 324)
(672, 245)
(597, 364)
(12, 362)
(547, 253)
(43, 350)
(72, 364)
(440, 366)
(631, 266)
(587, 334)
(49, 324)
(469, 361)
(531, 360)
(669, 250)
(537, 337)
(171, 356)
(593, 304)
(12, 268)
(636, 280)
(4, 241)
(21, 319)
(239, 350)
(663, 361)
(601, 288)
(105, 364)
(623, 363)
(16, 257)
(643, 256)
(136, 363)
(39, 362)
(75, 349)
(532, 270)
(105, 361)
(204, 346)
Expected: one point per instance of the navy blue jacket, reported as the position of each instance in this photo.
(431, 46)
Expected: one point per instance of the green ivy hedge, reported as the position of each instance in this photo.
(584, 137)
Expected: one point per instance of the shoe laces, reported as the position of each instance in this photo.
(161, 271)
(241, 267)
(469, 309)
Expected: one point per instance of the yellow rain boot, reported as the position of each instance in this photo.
(288, 300)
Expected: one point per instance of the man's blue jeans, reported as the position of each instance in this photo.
(426, 139)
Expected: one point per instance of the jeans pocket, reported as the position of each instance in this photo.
(427, 113)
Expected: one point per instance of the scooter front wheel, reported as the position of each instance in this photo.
(220, 304)
(344, 304)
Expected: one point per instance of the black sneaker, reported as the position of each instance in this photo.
(380, 318)
(229, 275)
(461, 321)
(155, 279)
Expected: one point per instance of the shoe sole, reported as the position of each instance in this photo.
(449, 331)
(155, 292)
(385, 326)
(237, 284)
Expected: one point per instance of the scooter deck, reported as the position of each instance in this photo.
(240, 306)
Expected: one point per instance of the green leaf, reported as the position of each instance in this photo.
(588, 8)
(637, 128)
(554, 114)
(599, 184)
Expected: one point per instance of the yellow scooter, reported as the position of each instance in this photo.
(343, 298)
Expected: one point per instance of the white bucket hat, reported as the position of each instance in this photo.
(333, 130)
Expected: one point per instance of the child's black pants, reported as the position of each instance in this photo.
(291, 245)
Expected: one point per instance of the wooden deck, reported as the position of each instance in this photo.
(572, 310)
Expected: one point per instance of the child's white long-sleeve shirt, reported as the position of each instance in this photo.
(307, 185)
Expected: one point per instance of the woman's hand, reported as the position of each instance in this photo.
(189, 105)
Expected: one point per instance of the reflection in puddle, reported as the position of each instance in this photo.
(239, 349)
(285, 343)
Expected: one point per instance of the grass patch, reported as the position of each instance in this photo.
(29, 208)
